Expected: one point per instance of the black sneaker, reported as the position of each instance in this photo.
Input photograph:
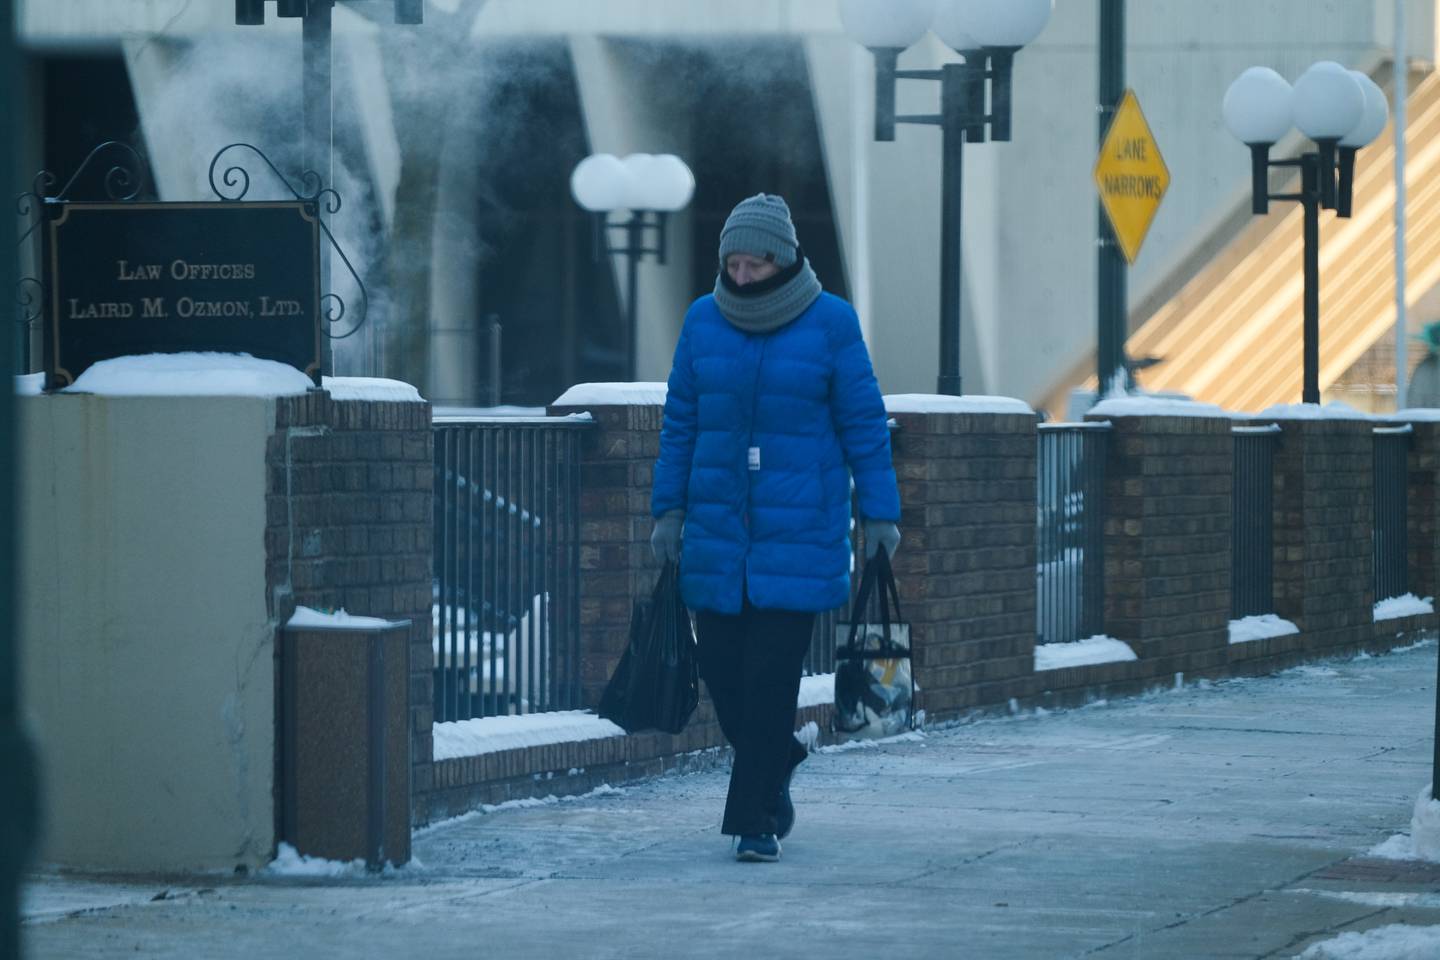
(762, 849)
(784, 808)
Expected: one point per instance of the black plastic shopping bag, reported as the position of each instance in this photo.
(656, 684)
(874, 688)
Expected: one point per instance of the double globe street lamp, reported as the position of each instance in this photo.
(645, 188)
(987, 34)
(1341, 111)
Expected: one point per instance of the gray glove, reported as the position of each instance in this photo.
(665, 539)
(878, 532)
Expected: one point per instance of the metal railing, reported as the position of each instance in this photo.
(506, 613)
(1070, 531)
(1392, 453)
(1252, 521)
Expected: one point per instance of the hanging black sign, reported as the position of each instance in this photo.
(138, 278)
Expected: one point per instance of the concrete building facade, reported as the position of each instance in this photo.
(454, 142)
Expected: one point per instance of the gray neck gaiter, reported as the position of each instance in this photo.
(770, 304)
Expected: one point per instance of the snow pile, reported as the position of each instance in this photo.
(191, 375)
(816, 691)
(1397, 941)
(29, 385)
(471, 738)
(613, 395)
(935, 403)
(1334, 410)
(1425, 827)
(339, 620)
(1407, 605)
(371, 388)
(1398, 847)
(1097, 649)
(1152, 406)
(1423, 840)
(488, 412)
(1260, 628)
(290, 862)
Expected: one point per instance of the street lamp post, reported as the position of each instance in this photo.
(646, 189)
(316, 100)
(1341, 111)
(987, 34)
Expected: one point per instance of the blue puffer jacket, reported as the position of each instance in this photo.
(806, 396)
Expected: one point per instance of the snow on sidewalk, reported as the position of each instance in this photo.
(1423, 840)
(1396, 941)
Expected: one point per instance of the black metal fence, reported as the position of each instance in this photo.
(1252, 522)
(821, 657)
(1392, 452)
(506, 624)
(1070, 531)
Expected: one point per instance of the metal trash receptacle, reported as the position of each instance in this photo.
(345, 738)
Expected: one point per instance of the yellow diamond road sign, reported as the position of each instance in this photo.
(1131, 175)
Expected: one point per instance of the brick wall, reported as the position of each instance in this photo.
(1324, 516)
(967, 576)
(617, 460)
(1167, 540)
(966, 564)
(349, 525)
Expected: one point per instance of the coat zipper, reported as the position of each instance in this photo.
(754, 404)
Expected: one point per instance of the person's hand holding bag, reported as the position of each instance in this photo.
(665, 538)
(878, 532)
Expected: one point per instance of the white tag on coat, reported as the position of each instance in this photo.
(754, 458)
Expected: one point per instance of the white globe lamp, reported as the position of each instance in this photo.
(1257, 106)
(953, 22)
(1328, 101)
(673, 185)
(600, 183)
(1007, 23)
(887, 24)
(1376, 115)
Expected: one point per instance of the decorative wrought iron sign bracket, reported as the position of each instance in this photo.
(120, 276)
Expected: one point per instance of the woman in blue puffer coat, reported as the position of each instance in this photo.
(772, 409)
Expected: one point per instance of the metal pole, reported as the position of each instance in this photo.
(1402, 91)
(495, 374)
(634, 244)
(317, 121)
(19, 812)
(1310, 199)
(1435, 759)
(1110, 266)
(953, 90)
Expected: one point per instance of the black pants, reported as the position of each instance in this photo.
(751, 665)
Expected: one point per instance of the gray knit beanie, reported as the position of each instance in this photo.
(760, 226)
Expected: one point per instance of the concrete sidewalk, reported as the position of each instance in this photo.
(1230, 820)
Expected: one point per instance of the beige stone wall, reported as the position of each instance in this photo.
(147, 649)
